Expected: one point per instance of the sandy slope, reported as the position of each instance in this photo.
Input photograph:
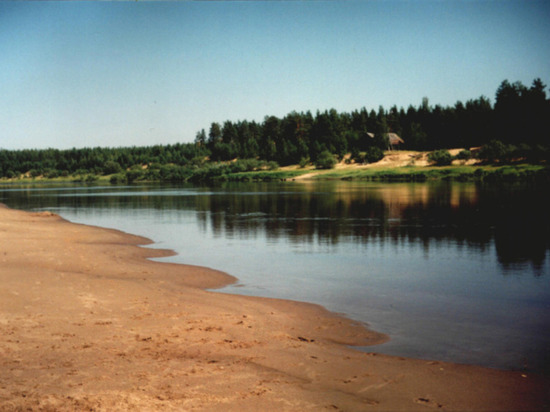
(396, 158)
(87, 323)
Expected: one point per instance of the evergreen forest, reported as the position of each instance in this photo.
(515, 127)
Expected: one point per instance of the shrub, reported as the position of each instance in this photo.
(534, 154)
(360, 158)
(238, 166)
(464, 155)
(111, 167)
(493, 151)
(539, 153)
(374, 154)
(272, 165)
(198, 161)
(133, 175)
(208, 173)
(325, 160)
(151, 174)
(245, 165)
(523, 151)
(440, 158)
(304, 161)
(50, 173)
(117, 179)
(354, 153)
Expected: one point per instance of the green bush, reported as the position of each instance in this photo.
(51, 173)
(494, 151)
(440, 158)
(360, 158)
(210, 172)
(374, 154)
(111, 167)
(133, 175)
(272, 165)
(117, 179)
(464, 155)
(197, 161)
(325, 160)
(355, 153)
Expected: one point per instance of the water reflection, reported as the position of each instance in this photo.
(516, 219)
(421, 262)
(467, 215)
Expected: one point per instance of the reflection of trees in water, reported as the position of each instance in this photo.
(522, 234)
(516, 218)
(465, 215)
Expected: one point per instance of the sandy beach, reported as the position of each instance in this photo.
(87, 322)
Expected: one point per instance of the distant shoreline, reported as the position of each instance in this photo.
(396, 166)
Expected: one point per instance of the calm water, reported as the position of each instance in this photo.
(450, 271)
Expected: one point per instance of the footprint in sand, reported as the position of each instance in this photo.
(428, 402)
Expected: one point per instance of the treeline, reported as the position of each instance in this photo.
(52, 163)
(520, 116)
(519, 120)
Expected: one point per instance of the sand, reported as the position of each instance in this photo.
(87, 322)
(392, 159)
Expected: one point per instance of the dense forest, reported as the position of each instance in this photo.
(515, 126)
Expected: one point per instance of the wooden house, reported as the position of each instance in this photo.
(394, 141)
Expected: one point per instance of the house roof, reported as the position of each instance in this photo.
(395, 139)
(392, 137)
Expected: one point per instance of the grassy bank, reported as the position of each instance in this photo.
(463, 173)
(61, 179)
(425, 173)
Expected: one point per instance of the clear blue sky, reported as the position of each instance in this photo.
(80, 74)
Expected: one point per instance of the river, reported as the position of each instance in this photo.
(450, 271)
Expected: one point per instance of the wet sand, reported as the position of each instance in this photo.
(87, 322)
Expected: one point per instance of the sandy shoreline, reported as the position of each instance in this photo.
(88, 323)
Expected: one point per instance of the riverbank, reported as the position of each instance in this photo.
(395, 166)
(88, 322)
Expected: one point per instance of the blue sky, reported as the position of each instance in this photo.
(81, 74)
